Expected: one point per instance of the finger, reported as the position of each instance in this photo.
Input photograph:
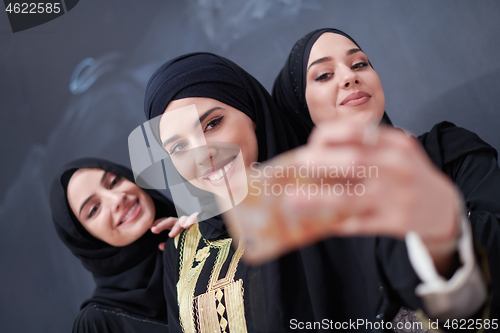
(189, 221)
(182, 219)
(356, 163)
(176, 229)
(161, 246)
(332, 162)
(338, 132)
(164, 220)
(339, 199)
(355, 133)
(368, 225)
(163, 224)
(160, 220)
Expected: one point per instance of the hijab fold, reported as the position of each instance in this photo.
(128, 277)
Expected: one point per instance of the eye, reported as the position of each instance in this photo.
(93, 210)
(359, 65)
(323, 77)
(115, 181)
(213, 124)
(178, 148)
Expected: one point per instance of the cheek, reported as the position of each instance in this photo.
(149, 207)
(380, 97)
(248, 144)
(185, 165)
(313, 98)
(99, 228)
(321, 102)
(240, 132)
(251, 152)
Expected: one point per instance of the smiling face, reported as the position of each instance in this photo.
(110, 207)
(340, 83)
(210, 142)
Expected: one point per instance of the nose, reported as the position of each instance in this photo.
(349, 78)
(117, 200)
(205, 154)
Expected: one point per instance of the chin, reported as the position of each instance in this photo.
(366, 116)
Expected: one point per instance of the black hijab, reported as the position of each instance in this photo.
(128, 277)
(289, 90)
(444, 143)
(211, 76)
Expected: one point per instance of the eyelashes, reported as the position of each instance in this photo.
(93, 210)
(212, 125)
(114, 181)
(326, 76)
(178, 148)
(359, 65)
(323, 77)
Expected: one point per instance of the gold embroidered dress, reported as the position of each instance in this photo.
(220, 307)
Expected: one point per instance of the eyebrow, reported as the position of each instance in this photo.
(93, 195)
(321, 60)
(196, 123)
(205, 115)
(173, 138)
(352, 51)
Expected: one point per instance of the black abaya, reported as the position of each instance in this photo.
(463, 156)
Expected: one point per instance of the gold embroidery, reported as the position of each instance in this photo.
(189, 271)
(207, 313)
(210, 308)
(221, 308)
(233, 294)
(176, 240)
(224, 246)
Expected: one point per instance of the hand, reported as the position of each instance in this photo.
(173, 223)
(405, 192)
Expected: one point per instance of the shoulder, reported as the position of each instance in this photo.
(446, 142)
(90, 319)
(181, 247)
(95, 317)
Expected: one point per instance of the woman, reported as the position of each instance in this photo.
(203, 269)
(328, 81)
(330, 283)
(104, 219)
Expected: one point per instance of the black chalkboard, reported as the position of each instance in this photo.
(438, 60)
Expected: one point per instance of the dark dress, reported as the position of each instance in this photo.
(339, 281)
(472, 165)
(95, 317)
(460, 154)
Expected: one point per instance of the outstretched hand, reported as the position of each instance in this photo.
(405, 193)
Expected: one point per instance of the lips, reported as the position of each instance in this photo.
(129, 212)
(220, 169)
(224, 171)
(357, 98)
